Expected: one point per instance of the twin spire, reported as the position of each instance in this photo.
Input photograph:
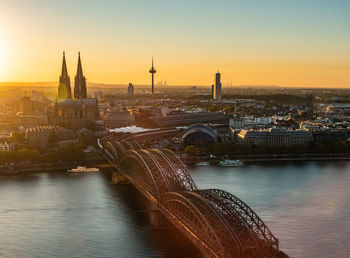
(64, 88)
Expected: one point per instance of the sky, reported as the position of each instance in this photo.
(251, 42)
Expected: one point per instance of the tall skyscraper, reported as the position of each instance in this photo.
(64, 90)
(130, 90)
(212, 91)
(218, 86)
(152, 71)
(309, 100)
(80, 82)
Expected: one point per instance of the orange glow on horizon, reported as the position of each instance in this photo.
(307, 51)
(289, 74)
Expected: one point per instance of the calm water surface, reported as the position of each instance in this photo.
(306, 205)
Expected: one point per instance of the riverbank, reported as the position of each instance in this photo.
(98, 161)
(47, 168)
(91, 160)
(269, 157)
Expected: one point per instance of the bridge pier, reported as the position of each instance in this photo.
(118, 178)
(157, 219)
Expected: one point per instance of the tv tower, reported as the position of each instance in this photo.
(152, 71)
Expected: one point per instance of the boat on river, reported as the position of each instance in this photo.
(231, 163)
(83, 169)
(202, 164)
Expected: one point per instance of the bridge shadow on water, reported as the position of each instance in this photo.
(166, 240)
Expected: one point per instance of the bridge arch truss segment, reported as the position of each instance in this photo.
(217, 222)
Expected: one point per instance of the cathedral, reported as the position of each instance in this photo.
(77, 112)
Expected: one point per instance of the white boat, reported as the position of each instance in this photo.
(202, 163)
(230, 163)
(83, 169)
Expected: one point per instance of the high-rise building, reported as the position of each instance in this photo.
(80, 82)
(212, 91)
(26, 106)
(130, 90)
(64, 89)
(152, 71)
(218, 86)
(309, 100)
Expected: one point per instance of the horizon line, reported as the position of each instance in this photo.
(13, 84)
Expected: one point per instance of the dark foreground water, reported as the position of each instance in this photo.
(306, 205)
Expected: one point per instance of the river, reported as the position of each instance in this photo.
(305, 204)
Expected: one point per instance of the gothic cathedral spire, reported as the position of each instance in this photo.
(80, 82)
(64, 89)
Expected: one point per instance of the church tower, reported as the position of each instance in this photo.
(64, 90)
(80, 82)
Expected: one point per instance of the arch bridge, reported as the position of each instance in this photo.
(217, 222)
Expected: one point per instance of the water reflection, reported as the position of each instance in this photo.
(305, 204)
(60, 215)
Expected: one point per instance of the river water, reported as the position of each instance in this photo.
(306, 205)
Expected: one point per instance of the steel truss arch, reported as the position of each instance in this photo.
(232, 245)
(118, 149)
(196, 224)
(248, 217)
(134, 165)
(135, 145)
(181, 169)
(110, 150)
(127, 145)
(158, 171)
(217, 222)
(177, 177)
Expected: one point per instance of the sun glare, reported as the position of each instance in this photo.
(3, 53)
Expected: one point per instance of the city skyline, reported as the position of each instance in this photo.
(299, 43)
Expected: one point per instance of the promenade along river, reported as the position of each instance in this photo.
(306, 205)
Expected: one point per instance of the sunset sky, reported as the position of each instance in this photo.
(255, 42)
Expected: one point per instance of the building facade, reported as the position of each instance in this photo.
(130, 90)
(218, 87)
(274, 137)
(80, 82)
(6, 142)
(6, 146)
(77, 112)
(64, 89)
(44, 137)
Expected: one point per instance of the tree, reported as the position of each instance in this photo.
(191, 150)
(322, 148)
(27, 155)
(221, 148)
(340, 147)
(18, 137)
(299, 148)
(71, 152)
(241, 148)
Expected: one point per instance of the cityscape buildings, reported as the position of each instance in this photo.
(275, 137)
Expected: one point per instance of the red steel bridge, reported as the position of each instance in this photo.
(217, 222)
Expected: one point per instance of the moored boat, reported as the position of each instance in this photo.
(83, 169)
(202, 163)
(230, 163)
